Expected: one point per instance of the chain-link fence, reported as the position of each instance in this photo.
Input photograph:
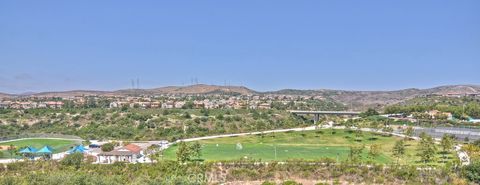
(458, 132)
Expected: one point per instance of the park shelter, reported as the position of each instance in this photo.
(46, 151)
(28, 151)
(77, 149)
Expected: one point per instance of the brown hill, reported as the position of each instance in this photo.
(3, 95)
(192, 89)
(204, 89)
(362, 99)
(72, 93)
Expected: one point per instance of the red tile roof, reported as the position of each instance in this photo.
(132, 147)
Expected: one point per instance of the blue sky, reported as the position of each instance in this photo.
(265, 45)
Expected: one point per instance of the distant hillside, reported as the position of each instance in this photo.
(69, 93)
(203, 89)
(353, 99)
(193, 89)
(455, 89)
(3, 95)
(362, 99)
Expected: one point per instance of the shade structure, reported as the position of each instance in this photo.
(77, 149)
(45, 150)
(28, 150)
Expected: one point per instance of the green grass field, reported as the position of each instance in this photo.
(57, 145)
(309, 145)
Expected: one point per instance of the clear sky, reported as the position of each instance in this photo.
(262, 44)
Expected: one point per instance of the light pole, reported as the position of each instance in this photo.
(275, 148)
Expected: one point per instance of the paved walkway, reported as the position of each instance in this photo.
(41, 138)
(244, 134)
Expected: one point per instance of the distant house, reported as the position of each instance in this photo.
(54, 104)
(144, 104)
(156, 104)
(42, 105)
(264, 106)
(129, 153)
(4, 105)
(198, 104)
(179, 104)
(168, 105)
(15, 105)
(114, 105)
(434, 114)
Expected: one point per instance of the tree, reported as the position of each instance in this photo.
(196, 150)
(409, 132)
(374, 151)
(398, 149)
(11, 150)
(107, 147)
(86, 142)
(188, 105)
(355, 153)
(446, 143)
(472, 172)
(369, 112)
(74, 159)
(184, 152)
(187, 115)
(427, 148)
(388, 129)
(476, 142)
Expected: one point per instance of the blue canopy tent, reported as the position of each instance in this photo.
(28, 152)
(77, 149)
(46, 151)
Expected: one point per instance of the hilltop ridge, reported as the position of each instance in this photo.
(346, 97)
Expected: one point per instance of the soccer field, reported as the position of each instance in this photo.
(58, 145)
(308, 145)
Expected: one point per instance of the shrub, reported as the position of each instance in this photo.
(74, 159)
(472, 172)
(290, 182)
(268, 183)
(108, 147)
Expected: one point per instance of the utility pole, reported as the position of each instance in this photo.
(275, 152)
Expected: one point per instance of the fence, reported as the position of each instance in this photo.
(458, 132)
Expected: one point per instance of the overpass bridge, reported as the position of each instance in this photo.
(316, 114)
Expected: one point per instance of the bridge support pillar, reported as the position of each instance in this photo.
(316, 117)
